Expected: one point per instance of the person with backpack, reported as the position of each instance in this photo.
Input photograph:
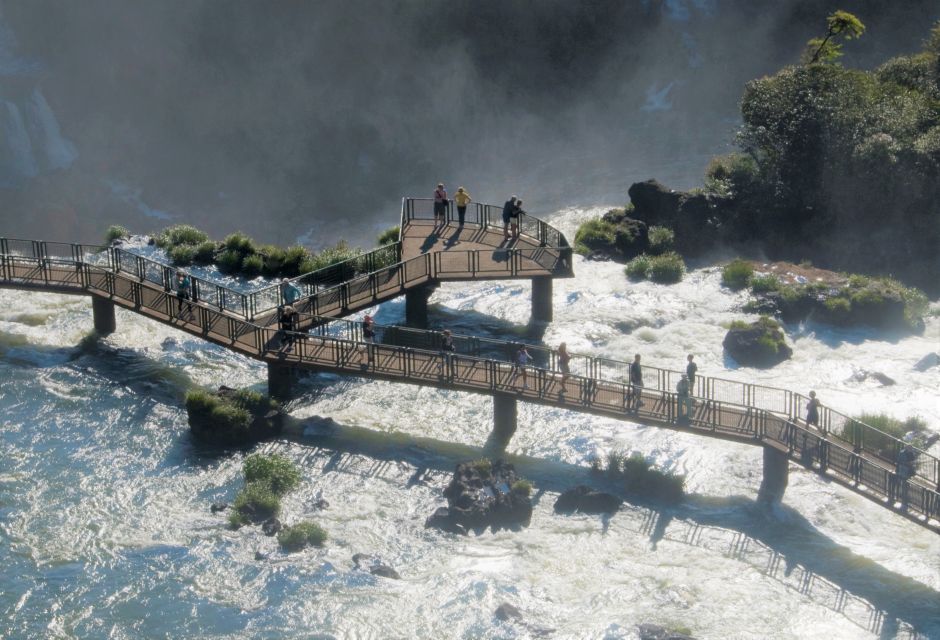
(514, 219)
(440, 205)
(461, 199)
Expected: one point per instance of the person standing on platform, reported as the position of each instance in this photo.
(812, 410)
(440, 205)
(691, 370)
(289, 292)
(564, 358)
(184, 289)
(684, 409)
(368, 335)
(448, 349)
(507, 215)
(636, 383)
(514, 219)
(461, 199)
(519, 366)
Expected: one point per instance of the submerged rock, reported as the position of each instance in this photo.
(384, 571)
(864, 374)
(583, 499)
(218, 506)
(271, 526)
(483, 494)
(758, 344)
(506, 611)
(928, 361)
(656, 632)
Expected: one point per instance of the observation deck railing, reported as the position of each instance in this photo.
(725, 408)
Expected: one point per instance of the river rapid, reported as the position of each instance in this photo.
(105, 528)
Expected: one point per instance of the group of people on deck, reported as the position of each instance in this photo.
(512, 210)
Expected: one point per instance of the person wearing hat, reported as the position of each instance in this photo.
(461, 199)
(684, 410)
(440, 204)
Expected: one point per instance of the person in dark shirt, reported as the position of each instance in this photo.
(690, 370)
(448, 349)
(507, 214)
(636, 383)
(812, 410)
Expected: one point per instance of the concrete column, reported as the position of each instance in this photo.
(505, 411)
(281, 378)
(542, 299)
(776, 476)
(103, 313)
(416, 306)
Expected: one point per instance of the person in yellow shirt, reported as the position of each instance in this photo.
(462, 199)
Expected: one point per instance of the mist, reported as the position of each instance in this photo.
(313, 119)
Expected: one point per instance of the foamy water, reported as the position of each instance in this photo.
(105, 529)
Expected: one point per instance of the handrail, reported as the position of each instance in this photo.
(49, 254)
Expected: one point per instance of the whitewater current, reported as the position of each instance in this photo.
(106, 531)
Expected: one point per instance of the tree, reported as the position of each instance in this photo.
(841, 24)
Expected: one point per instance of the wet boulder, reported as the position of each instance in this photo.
(506, 611)
(481, 495)
(218, 507)
(271, 527)
(583, 499)
(757, 344)
(928, 362)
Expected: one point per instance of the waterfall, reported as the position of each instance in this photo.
(17, 160)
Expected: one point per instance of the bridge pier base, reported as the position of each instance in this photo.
(416, 306)
(102, 312)
(281, 379)
(776, 476)
(542, 299)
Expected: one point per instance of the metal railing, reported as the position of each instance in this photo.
(600, 383)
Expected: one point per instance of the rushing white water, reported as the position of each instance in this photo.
(105, 529)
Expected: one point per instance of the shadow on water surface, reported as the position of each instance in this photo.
(779, 543)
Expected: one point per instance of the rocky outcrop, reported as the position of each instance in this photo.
(758, 344)
(696, 218)
(506, 611)
(483, 495)
(583, 499)
(375, 567)
(232, 417)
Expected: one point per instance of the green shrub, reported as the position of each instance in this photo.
(115, 232)
(522, 487)
(275, 471)
(667, 268)
(229, 418)
(483, 466)
(204, 253)
(252, 266)
(737, 274)
(389, 236)
(837, 309)
(182, 255)
(739, 325)
(661, 240)
(201, 402)
(239, 243)
(593, 234)
(891, 430)
(638, 476)
(765, 284)
(254, 402)
(180, 234)
(256, 502)
(294, 258)
(340, 252)
(638, 268)
(228, 262)
(272, 260)
(301, 535)
(768, 344)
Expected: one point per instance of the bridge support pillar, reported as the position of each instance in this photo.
(281, 379)
(416, 306)
(505, 412)
(542, 299)
(776, 476)
(103, 313)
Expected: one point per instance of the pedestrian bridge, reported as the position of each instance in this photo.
(841, 449)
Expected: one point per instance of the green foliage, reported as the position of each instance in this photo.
(228, 261)
(840, 24)
(272, 260)
(201, 402)
(661, 240)
(593, 234)
(254, 402)
(883, 438)
(294, 258)
(739, 325)
(231, 419)
(180, 234)
(239, 243)
(274, 471)
(737, 274)
(731, 175)
(252, 266)
(768, 344)
(256, 502)
(301, 535)
(389, 236)
(638, 476)
(182, 255)
(837, 309)
(204, 253)
(115, 232)
(340, 252)
(667, 268)
(522, 487)
(638, 268)
(765, 284)
(483, 466)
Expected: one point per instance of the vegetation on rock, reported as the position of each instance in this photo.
(667, 268)
(759, 344)
(255, 503)
(279, 473)
(232, 417)
(638, 477)
(889, 431)
(301, 535)
(737, 274)
(116, 232)
(389, 236)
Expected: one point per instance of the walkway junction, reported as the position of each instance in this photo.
(840, 449)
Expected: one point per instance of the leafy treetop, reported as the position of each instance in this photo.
(841, 24)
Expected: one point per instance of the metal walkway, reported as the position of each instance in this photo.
(840, 449)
